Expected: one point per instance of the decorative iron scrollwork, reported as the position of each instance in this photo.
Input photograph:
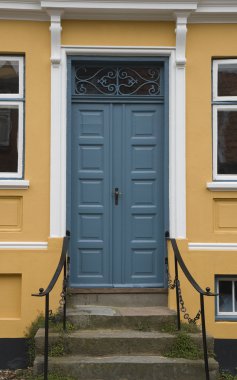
(117, 81)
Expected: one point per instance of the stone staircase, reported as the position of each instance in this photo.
(121, 337)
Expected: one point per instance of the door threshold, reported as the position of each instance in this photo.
(117, 290)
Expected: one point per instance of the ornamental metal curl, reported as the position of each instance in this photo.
(117, 81)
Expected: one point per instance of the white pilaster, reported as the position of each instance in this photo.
(56, 184)
(179, 227)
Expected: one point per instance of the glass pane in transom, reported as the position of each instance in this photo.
(227, 79)
(227, 142)
(225, 296)
(9, 77)
(8, 139)
(114, 80)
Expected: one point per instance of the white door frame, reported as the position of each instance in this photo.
(177, 197)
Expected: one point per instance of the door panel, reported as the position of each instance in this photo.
(117, 146)
(90, 259)
(144, 210)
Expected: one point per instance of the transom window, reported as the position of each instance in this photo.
(225, 119)
(116, 80)
(227, 297)
(11, 116)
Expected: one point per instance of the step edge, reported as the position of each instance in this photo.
(128, 291)
(90, 359)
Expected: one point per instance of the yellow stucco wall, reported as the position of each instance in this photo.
(209, 224)
(25, 213)
(211, 216)
(118, 33)
(22, 273)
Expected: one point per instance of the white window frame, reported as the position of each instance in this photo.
(216, 64)
(17, 101)
(20, 94)
(225, 313)
(216, 108)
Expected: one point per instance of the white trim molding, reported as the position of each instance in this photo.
(180, 126)
(181, 32)
(55, 29)
(55, 144)
(177, 193)
(222, 186)
(21, 184)
(203, 11)
(23, 245)
(212, 246)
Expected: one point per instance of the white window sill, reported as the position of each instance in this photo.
(222, 186)
(14, 184)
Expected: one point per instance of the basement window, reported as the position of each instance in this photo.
(227, 298)
(225, 119)
(11, 116)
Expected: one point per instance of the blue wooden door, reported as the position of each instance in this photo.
(117, 216)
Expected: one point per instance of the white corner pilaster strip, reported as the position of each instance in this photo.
(56, 189)
(178, 230)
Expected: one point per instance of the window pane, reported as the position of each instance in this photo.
(9, 77)
(227, 79)
(8, 139)
(225, 296)
(227, 142)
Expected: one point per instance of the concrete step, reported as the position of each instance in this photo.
(128, 368)
(114, 342)
(118, 297)
(103, 317)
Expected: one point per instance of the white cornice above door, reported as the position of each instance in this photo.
(199, 10)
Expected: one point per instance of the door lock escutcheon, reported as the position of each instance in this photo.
(116, 194)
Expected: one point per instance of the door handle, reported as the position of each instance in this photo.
(116, 194)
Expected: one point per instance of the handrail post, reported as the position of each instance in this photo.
(46, 337)
(177, 291)
(204, 337)
(65, 293)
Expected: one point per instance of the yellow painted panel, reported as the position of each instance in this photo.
(225, 214)
(31, 39)
(10, 295)
(118, 33)
(10, 213)
(203, 265)
(204, 42)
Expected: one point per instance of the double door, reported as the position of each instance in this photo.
(117, 195)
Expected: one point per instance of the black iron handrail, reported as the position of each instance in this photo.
(62, 265)
(178, 260)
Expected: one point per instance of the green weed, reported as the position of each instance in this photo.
(57, 349)
(171, 328)
(55, 325)
(30, 335)
(143, 326)
(226, 375)
(184, 347)
(29, 375)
